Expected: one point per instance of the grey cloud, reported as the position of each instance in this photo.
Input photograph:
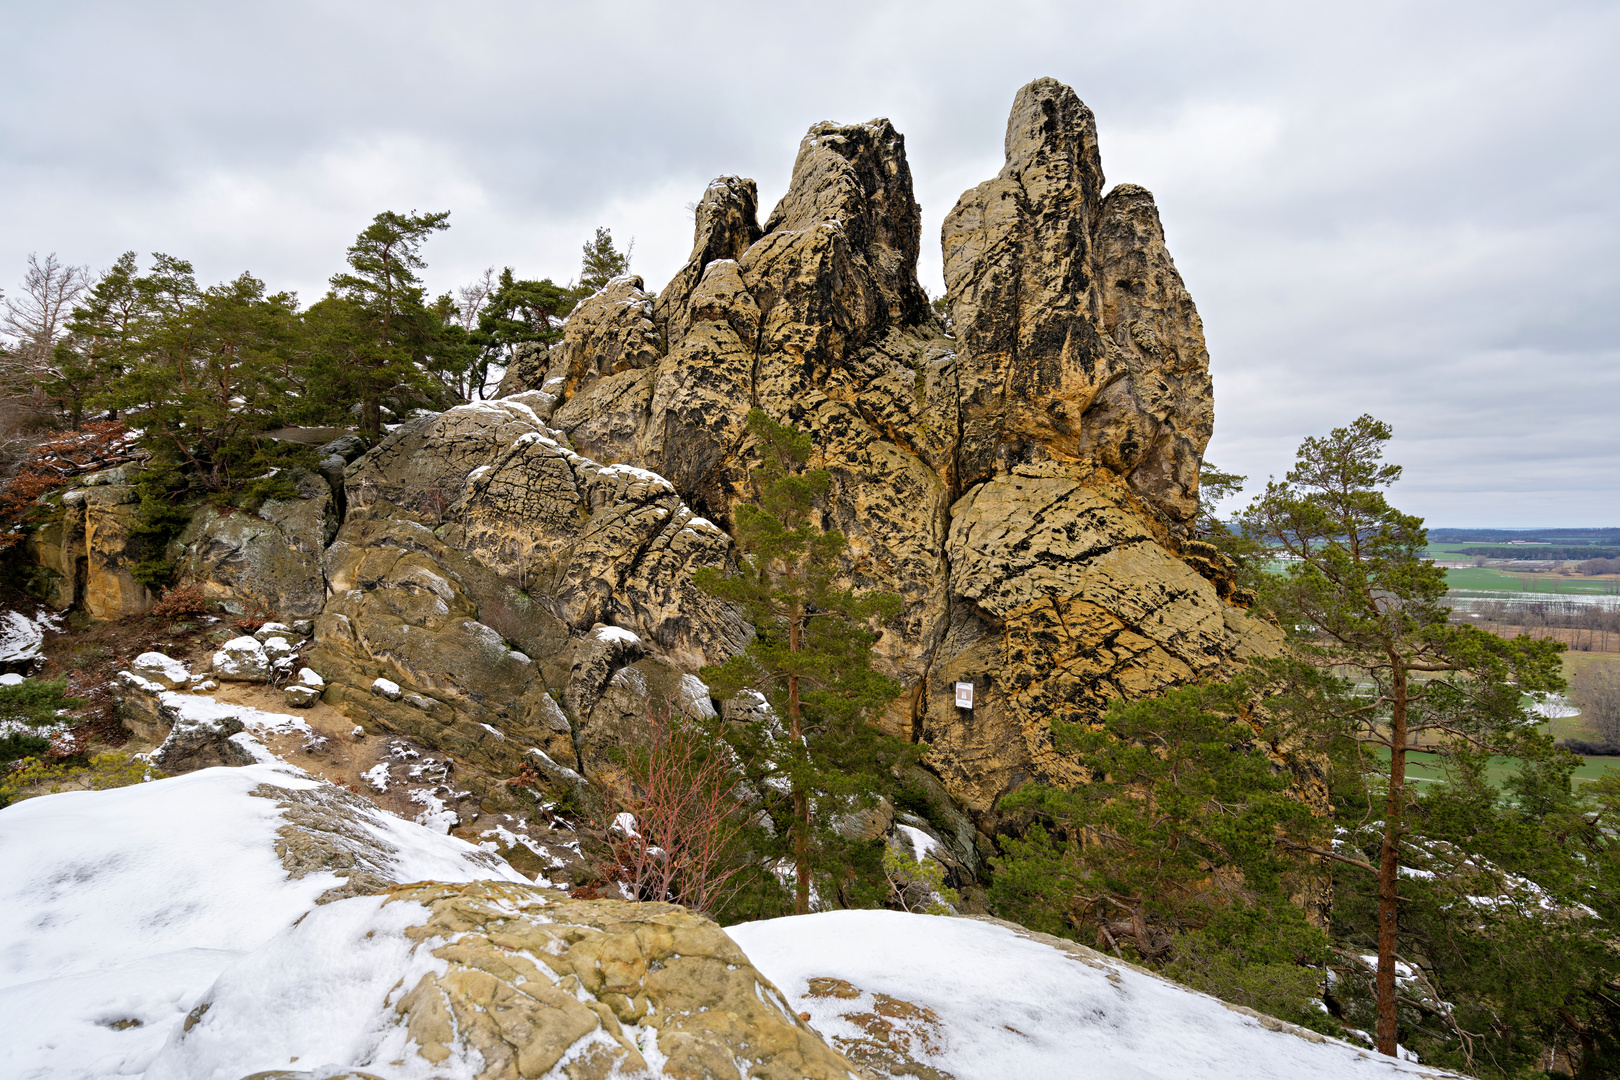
(1405, 210)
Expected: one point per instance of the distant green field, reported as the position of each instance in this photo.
(1426, 768)
(1486, 579)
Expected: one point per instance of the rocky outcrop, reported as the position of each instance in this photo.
(504, 625)
(102, 520)
(496, 980)
(197, 742)
(1025, 482)
(269, 561)
(521, 570)
(1079, 342)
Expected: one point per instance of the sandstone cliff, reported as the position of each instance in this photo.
(1023, 475)
(1025, 480)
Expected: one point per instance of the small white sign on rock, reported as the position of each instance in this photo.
(964, 695)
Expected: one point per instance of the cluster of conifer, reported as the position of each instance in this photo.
(204, 372)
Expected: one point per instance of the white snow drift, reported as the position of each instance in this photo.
(1012, 1006)
(118, 909)
(122, 911)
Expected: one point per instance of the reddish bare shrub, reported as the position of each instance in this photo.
(53, 463)
(179, 602)
(671, 829)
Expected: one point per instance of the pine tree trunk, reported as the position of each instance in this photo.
(801, 798)
(1388, 867)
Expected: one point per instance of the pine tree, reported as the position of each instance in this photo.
(811, 659)
(203, 380)
(518, 312)
(374, 334)
(601, 263)
(1365, 604)
(1172, 852)
(102, 332)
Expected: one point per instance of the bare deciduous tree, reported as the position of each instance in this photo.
(470, 300)
(37, 319)
(671, 825)
(1597, 691)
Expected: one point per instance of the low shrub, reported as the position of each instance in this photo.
(179, 602)
(35, 776)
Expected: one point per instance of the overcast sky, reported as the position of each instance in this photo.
(1402, 209)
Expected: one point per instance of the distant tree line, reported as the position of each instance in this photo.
(1502, 536)
(1590, 626)
(1525, 551)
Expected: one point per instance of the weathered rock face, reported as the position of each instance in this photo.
(101, 567)
(1025, 484)
(504, 607)
(497, 981)
(1079, 342)
(269, 561)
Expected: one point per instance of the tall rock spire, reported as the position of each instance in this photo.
(1079, 343)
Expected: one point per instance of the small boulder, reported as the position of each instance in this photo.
(280, 653)
(304, 627)
(242, 659)
(159, 668)
(866, 823)
(201, 743)
(309, 677)
(300, 696)
(272, 629)
(387, 688)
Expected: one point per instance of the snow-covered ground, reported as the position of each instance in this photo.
(22, 636)
(119, 909)
(122, 911)
(993, 1002)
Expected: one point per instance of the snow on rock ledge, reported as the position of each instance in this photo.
(119, 908)
(235, 921)
(976, 999)
(495, 980)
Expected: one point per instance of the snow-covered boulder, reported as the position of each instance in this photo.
(386, 688)
(273, 629)
(976, 999)
(301, 696)
(280, 652)
(242, 659)
(159, 668)
(495, 979)
(203, 741)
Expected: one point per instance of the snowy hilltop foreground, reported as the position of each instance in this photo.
(235, 921)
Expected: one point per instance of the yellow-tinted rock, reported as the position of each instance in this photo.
(531, 978)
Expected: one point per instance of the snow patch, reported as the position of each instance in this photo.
(22, 636)
(615, 633)
(1011, 1005)
(922, 845)
(119, 909)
